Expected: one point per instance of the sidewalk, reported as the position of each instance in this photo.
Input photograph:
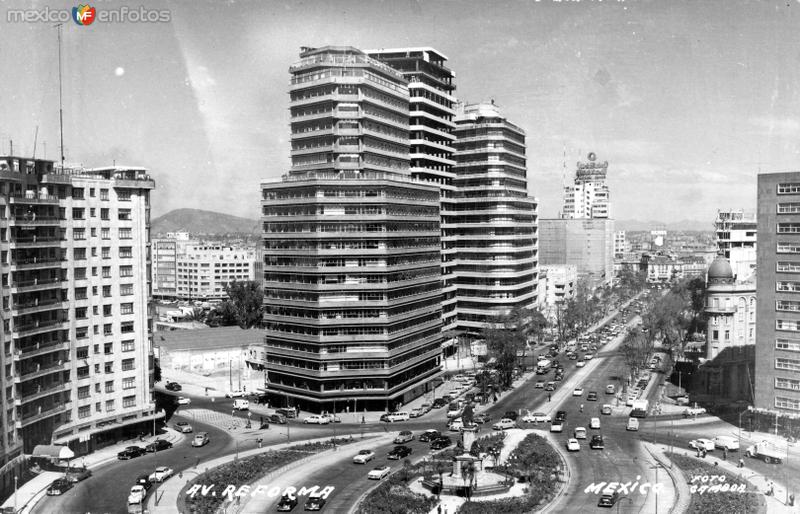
(31, 492)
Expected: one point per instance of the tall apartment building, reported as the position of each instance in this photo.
(194, 270)
(493, 226)
(620, 243)
(432, 111)
(777, 372)
(352, 244)
(736, 239)
(588, 196)
(74, 254)
(587, 244)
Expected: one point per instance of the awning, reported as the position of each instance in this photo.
(53, 451)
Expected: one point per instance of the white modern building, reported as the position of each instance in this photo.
(736, 232)
(588, 196)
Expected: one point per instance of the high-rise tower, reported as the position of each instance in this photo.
(588, 197)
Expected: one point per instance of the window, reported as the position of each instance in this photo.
(94, 251)
(85, 411)
(77, 214)
(80, 313)
(77, 193)
(126, 327)
(94, 290)
(78, 234)
(125, 289)
(106, 272)
(125, 233)
(787, 403)
(104, 214)
(788, 286)
(715, 335)
(129, 383)
(110, 386)
(109, 367)
(787, 305)
(104, 195)
(727, 335)
(83, 372)
(106, 291)
(106, 310)
(82, 352)
(79, 254)
(787, 345)
(129, 401)
(83, 392)
(82, 332)
(124, 196)
(97, 388)
(788, 364)
(95, 310)
(128, 364)
(128, 345)
(108, 348)
(126, 271)
(97, 407)
(91, 192)
(93, 212)
(787, 383)
(96, 330)
(124, 214)
(789, 188)
(110, 406)
(94, 271)
(125, 252)
(104, 233)
(788, 247)
(126, 308)
(107, 330)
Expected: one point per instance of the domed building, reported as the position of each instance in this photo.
(731, 331)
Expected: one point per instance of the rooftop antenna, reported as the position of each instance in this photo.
(11, 144)
(60, 96)
(35, 139)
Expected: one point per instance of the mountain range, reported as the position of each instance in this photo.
(672, 226)
(197, 221)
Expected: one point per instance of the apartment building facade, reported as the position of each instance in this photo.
(736, 232)
(75, 258)
(588, 196)
(777, 372)
(493, 226)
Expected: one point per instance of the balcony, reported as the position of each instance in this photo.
(19, 309)
(40, 372)
(41, 392)
(36, 284)
(37, 327)
(37, 263)
(36, 242)
(720, 309)
(41, 349)
(143, 183)
(33, 199)
(33, 220)
(40, 414)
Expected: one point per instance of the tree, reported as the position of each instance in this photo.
(636, 348)
(156, 370)
(246, 299)
(537, 325)
(223, 315)
(505, 341)
(468, 476)
(440, 467)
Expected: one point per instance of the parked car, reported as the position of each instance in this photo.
(136, 495)
(287, 503)
(611, 389)
(379, 472)
(183, 427)
(416, 412)
(597, 442)
(404, 437)
(693, 411)
(399, 452)
(158, 445)
(315, 501)
(727, 442)
(144, 481)
(429, 435)
(279, 419)
(504, 424)
(316, 419)
(364, 456)
(234, 394)
(161, 473)
(59, 487)
(536, 417)
(287, 413)
(332, 418)
(573, 445)
(702, 444)
(511, 414)
(182, 400)
(201, 439)
(77, 474)
(438, 403)
(173, 386)
(426, 408)
(131, 452)
(441, 443)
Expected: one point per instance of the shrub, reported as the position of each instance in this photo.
(393, 497)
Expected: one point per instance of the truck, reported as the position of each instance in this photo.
(543, 367)
(765, 452)
(640, 405)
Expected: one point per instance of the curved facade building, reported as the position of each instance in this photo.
(494, 223)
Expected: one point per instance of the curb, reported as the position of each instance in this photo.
(680, 485)
(562, 491)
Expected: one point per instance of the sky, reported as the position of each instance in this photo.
(686, 100)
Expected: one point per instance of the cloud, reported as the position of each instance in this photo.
(776, 127)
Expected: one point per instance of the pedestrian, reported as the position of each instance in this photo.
(548, 396)
(439, 509)
(741, 463)
(581, 407)
(716, 463)
(725, 454)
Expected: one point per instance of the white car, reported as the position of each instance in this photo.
(539, 385)
(183, 427)
(379, 472)
(702, 444)
(573, 445)
(317, 419)
(557, 427)
(594, 423)
(454, 413)
(416, 412)
(137, 494)
(182, 400)
(580, 364)
(404, 437)
(456, 425)
(588, 357)
(364, 456)
(504, 424)
(332, 418)
(694, 411)
(727, 442)
(234, 394)
(160, 474)
(536, 417)
(578, 391)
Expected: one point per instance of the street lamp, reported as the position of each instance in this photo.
(655, 467)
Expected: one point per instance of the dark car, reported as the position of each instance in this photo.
(78, 474)
(173, 386)
(144, 481)
(429, 435)
(399, 452)
(279, 419)
(558, 378)
(385, 417)
(287, 503)
(573, 356)
(597, 442)
(131, 452)
(608, 500)
(441, 443)
(592, 396)
(512, 415)
(287, 413)
(480, 419)
(638, 413)
(561, 415)
(158, 445)
(551, 386)
(315, 501)
(438, 403)
(59, 486)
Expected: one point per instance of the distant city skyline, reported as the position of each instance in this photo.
(686, 101)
